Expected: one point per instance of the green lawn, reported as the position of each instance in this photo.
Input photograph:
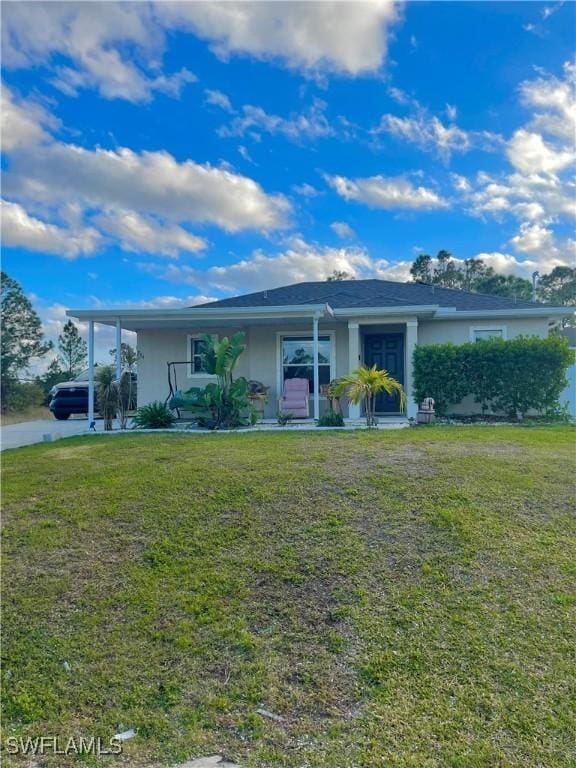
(399, 598)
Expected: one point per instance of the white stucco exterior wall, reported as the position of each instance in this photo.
(261, 360)
(161, 347)
(458, 331)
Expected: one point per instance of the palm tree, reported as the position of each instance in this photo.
(365, 384)
(107, 394)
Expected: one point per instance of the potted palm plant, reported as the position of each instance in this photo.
(364, 385)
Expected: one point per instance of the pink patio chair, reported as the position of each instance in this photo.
(295, 398)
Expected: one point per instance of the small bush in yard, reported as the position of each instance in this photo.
(21, 396)
(510, 377)
(331, 419)
(155, 415)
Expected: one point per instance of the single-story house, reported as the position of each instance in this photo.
(317, 330)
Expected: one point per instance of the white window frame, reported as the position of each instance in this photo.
(501, 328)
(305, 334)
(197, 337)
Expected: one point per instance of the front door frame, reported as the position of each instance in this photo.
(402, 358)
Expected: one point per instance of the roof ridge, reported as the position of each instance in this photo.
(373, 291)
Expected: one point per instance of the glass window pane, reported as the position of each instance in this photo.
(299, 350)
(298, 358)
(197, 349)
(485, 334)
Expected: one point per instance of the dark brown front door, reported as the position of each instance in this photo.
(386, 350)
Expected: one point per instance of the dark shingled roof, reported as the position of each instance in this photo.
(371, 293)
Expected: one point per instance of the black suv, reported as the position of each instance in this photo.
(72, 396)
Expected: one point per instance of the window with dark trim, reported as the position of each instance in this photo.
(196, 352)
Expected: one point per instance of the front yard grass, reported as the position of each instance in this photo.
(398, 598)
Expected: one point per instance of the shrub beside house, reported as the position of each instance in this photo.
(513, 378)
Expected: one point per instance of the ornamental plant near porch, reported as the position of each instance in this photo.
(107, 395)
(365, 384)
(223, 404)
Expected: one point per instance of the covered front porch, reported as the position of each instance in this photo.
(312, 342)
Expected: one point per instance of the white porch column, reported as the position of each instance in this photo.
(353, 362)
(118, 349)
(90, 372)
(411, 342)
(316, 374)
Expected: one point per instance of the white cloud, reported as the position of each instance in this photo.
(245, 154)
(219, 99)
(545, 249)
(530, 211)
(147, 182)
(19, 229)
(532, 196)
(451, 112)
(546, 145)
(397, 271)
(550, 10)
(142, 234)
(540, 29)
(342, 229)
(306, 190)
(506, 264)
(343, 37)
(387, 192)
(429, 133)
(93, 40)
(533, 238)
(529, 153)
(117, 47)
(460, 183)
(306, 126)
(156, 302)
(22, 122)
(557, 97)
(298, 262)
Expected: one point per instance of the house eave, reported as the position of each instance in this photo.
(450, 313)
(418, 310)
(210, 315)
(110, 316)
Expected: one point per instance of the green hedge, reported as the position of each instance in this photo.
(510, 377)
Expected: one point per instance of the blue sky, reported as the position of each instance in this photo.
(161, 154)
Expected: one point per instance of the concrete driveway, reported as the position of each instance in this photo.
(29, 432)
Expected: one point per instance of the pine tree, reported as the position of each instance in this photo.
(558, 287)
(128, 356)
(72, 350)
(421, 269)
(22, 337)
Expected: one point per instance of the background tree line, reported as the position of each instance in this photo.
(557, 287)
(23, 343)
